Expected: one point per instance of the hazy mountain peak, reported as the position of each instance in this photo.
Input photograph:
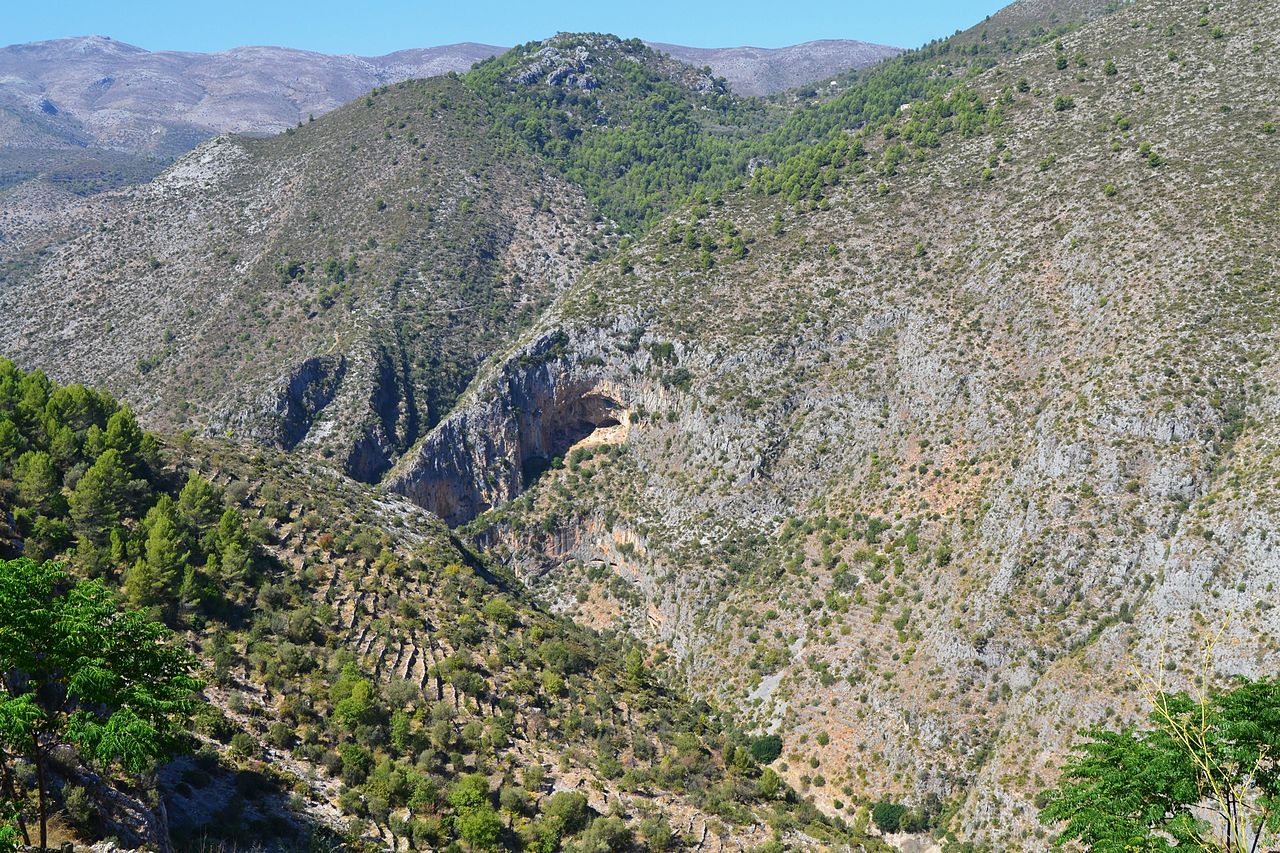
(175, 98)
(764, 71)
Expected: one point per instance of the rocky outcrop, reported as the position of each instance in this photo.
(544, 401)
(304, 396)
(134, 817)
(580, 61)
(556, 67)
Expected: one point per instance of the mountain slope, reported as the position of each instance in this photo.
(907, 450)
(332, 287)
(363, 666)
(915, 471)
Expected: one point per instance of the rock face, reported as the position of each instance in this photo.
(309, 389)
(556, 67)
(542, 405)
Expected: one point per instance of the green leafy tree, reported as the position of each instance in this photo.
(480, 828)
(766, 749)
(358, 708)
(1204, 775)
(475, 820)
(606, 835)
(78, 671)
(567, 810)
(401, 732)
(469, 792)
(887, 816)
(9, 836)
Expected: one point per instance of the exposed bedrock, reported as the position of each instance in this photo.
(285, 413)
(541, 403)
(358, 408)
(306, 393)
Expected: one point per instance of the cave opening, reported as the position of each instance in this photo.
(550, 432)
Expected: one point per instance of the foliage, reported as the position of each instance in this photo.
(819, 143)
(86, 485)
(766, 749)
(888, 816)
(79, 671)
(1204, 775)
(638, 141)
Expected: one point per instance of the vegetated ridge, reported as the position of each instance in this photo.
(93, 113)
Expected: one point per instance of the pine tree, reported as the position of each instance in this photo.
(154, 579)
(231, 530)
(233, 567)
(11, 443)
(235, 557)
(124, 436)
(100, 496)
(63, 445)
(37, 480)
(199, 501)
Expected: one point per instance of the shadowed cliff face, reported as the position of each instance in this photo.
(543, 404)
(309, 390)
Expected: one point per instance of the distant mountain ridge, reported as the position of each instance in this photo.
(766, 71)
(97, 92)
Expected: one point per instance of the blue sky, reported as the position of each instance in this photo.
(371, 27)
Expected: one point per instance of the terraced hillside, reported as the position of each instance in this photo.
(372, 683)
(912, 450)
